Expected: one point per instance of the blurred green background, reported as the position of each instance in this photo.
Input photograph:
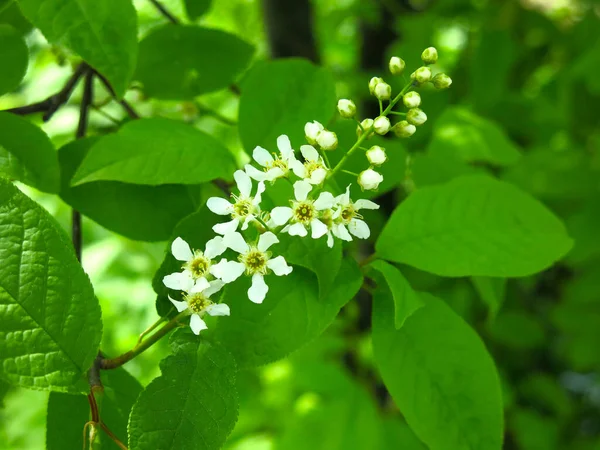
(528, 72)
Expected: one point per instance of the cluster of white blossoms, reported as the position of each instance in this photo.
(246, 241)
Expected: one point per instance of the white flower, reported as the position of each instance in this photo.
(327, 140)
(255, 261)
(346, 108)
(411, 99)
(365, 126)
(416, 116)
(383, 91)
(374, 82)
(313, 170)
(197, 303)
(347, 216)
(244, 207)
(376, 155)
(381, 125)
(429, 55)
(404, 129)
(197, 264)
(421, 75)
(274, 167)
(312, 130)
(369, 179)
(396, 65)
(304, 212)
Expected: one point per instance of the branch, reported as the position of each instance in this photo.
(126, 106)
(54, 102)
(164, 12)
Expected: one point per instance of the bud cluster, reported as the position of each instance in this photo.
(317, 134)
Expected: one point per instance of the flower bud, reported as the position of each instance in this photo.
(374, 82)
(312, 130)
(383, 91)
(327, 140)
(411, 99)
(369, 179)
(376, 155)
(429, 55)
(416, 116)
(346, 108)
(366, 124)
(381, 125)
(397, 65)
(441, 81)
(404, 129)
(421, 75)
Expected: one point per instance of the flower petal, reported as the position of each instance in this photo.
(279, 266)
(329, 239)
(180, 306)
(344, 199)
(219, 206)
(214, 247)
(249, 218)
(298, 168)
(359, 228)
(317, 229)
(285, 146)
(227, 271)
(200, 285)
(262, 156)
(318, 176)
(177, 280)
(214, 287)
(281, 214)
(235, 241)
(365, 204)
(309, 152)
(274, 173)
(266, 240)
(226, 227)
(258, 290)
(218, 309)
(254, 173)
(301, 190)
(325, 201)
(181, 250)
(259, 190)
(340, 231)
(243, 181)
(197, 324)
(297, 229)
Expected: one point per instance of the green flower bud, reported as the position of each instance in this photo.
(383, 91)
(441, 81)
(366, 125)
(411, 99)
(346, 108)
(404, 129)
(421, 75)
(397, 65)
(374, 82)
(416, 116)
(381, 125)
(429, 55)
(376, 155)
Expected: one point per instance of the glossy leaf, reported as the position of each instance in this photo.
(196, 8)
(14, 52)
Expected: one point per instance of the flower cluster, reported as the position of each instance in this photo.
(244, 241)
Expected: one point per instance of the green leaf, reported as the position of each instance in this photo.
(103, 33)
(473, 138)
(440, 375)
(406, 300)
(26, 154)
(279, 97)
(147, 213)
(14, 53)
(491, 291)
(291, 315)
(50, 323)
(196, 8)
(517, 330)
(192, 405)
(156, 151)
(10, 14)
(475, 226)
(67, 414)
(398, 435)
(181, 62)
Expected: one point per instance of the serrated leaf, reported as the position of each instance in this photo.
(475, 226)
(156, 151)
(440, 375)
(196, 8)
(14, 52)
(192, 405)
(179, 62)
(406, 300)
(26, 154)
(50, 325)
(290, 316)
(279, 97)
(146, 213)
(103, 33)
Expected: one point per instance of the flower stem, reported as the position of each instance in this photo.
(113, 363)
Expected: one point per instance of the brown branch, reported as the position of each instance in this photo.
(126, 106)
(170, 17)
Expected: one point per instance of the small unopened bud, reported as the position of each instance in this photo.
(416, 116)
(346, 108)
(397, 65)
(312, 130)
(374, 82)
(421, 75)
(441, 81)
(327, 140)
(383, 91)
(403, 129)
(366, 125)
(411, 99)
(381, 125)
(429, 55)
(376, 155)
(369, 180)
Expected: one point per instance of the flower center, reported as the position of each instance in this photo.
(242, 207)
(327, 218)
(311, 166)
(198, 265)
(348, 213)
(197, 303)
(304, 212)
(255, 261)
(279, 163)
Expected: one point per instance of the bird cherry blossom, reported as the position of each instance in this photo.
(197, 303)
(244, 207)
(255, 261)
(314, 169)
(346, 215)
(274, 167)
